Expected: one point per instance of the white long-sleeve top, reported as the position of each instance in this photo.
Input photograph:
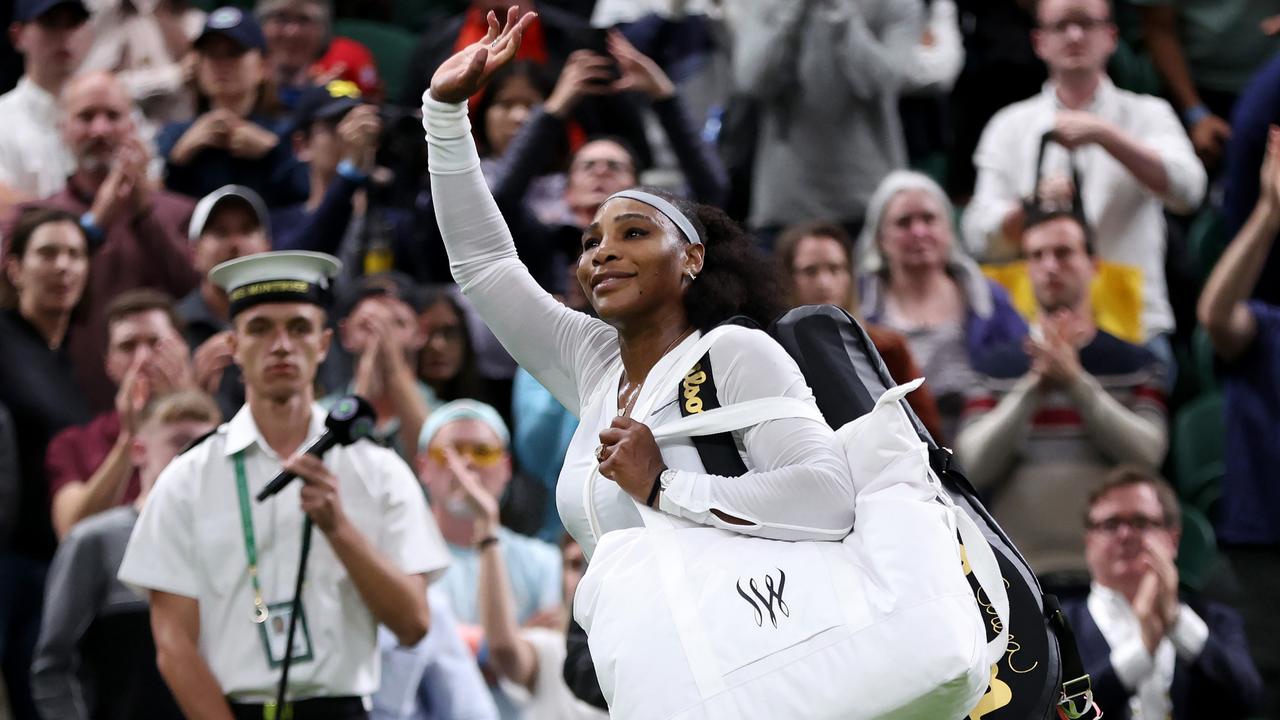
(1127, 217)
(797, 487)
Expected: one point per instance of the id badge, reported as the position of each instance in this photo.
(275, 634)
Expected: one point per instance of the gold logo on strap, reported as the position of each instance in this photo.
(692, 384)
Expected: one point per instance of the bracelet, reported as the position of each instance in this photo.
(1193, 115)
(350, 171)
(485, 542)
(657, 485)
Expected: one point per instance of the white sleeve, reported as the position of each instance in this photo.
(1164, 135)
(994, 192)
(161, 553)
(452, 677)
(798, 487)
(934, 68)
(562, 348)
(409, 536)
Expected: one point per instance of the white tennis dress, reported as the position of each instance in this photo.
(796, 487)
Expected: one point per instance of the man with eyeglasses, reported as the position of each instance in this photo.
(1052, 414)
(1150, 653)
(1132, 152)
(478, 438)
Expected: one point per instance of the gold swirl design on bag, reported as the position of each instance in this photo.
(692, 384)
(998, 695)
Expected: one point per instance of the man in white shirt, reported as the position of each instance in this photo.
(1148, 653)
(34, 161)
(221, 568)
(1134, 158)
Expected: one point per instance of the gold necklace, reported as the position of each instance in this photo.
(631, 392)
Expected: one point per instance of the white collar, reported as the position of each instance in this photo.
(1109, 596)
(1102, 95)
(41, 100)
(243, 431)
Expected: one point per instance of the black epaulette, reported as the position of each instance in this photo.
(191, 445)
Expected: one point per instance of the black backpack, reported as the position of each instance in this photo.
(1040, 676)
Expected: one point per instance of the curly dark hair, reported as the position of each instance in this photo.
(736, 278)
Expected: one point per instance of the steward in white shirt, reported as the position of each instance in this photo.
(52, 37)
(221, 567)
(1135, 159)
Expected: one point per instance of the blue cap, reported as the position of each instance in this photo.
(462, 410)
(325, 102)
(28, 10)
(237, 25)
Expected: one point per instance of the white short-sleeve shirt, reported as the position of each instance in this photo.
(189, 540)
(33, 157)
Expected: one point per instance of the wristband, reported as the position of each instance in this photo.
(485, 542)
(653, 492)
(1193, 115)
(348, 170)
(89, 223)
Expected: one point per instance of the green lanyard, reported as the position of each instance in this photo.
(260, 612)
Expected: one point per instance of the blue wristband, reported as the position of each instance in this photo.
(348, 170)
(1193, 115)
(89, 223)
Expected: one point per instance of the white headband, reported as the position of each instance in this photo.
(666, 208)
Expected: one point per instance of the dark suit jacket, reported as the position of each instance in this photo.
(1221, 684)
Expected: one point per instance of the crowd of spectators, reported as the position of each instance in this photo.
(1011, 209)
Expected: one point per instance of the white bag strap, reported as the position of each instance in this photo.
(740, 415)
(650, 395)
(982, 561)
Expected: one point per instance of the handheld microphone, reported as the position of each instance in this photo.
(351, 419)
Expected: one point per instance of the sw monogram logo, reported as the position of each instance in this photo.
(774, 594)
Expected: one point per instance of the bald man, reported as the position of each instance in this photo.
(137, 232)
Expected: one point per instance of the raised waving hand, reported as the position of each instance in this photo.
(469, 70)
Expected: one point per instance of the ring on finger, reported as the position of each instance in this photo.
(600, 453)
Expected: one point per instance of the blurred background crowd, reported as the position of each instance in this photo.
(1061, 213)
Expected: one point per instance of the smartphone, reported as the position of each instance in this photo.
(597, 41)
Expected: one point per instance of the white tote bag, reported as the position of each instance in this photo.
(697, 622)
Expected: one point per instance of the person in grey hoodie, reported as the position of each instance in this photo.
(826, 76)
(95, 657)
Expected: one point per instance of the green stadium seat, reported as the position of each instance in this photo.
(414, 15)
(935, 166)
(1203, 358)
(1197, 451)
(1197, 551)
(1206, 240)
(391, 47)
(1132, 70)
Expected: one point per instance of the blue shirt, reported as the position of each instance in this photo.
(1251, 387)
(437, 679)
(533, 567)
(1256, 109)
(278, 176)
(542, 431)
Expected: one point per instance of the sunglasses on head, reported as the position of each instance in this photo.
(481, 455)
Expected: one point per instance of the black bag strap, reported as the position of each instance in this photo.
(697, 393)
(1034, 207)
(1077, 693)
